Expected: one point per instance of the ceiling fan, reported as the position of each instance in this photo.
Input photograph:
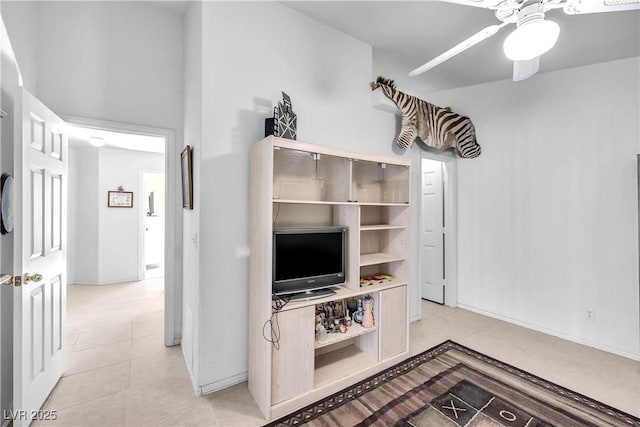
(533, 36)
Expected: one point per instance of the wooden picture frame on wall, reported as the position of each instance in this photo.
(187, 177)
(120, 199)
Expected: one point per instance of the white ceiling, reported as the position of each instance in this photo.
(405, 34)
(79, 138)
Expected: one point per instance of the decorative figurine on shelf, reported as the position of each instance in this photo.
(343, 328)
(352, 305)
(367, 320)
(284, 122)
(357, 317)
(321, 333)
(347, 319)
(287, 120)
(337, 309)
(336, 325)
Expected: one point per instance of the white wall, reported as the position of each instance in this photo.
(106, 241)
(83, 256)
(548, 214)
(192, 135)
(250, 53)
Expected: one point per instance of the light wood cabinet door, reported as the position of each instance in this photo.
(292, 364)
(393, 322)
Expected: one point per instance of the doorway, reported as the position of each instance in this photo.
(437, 229)
(166, 206)
(152, 247)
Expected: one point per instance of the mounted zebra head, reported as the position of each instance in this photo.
(437, 127)
(382, 81)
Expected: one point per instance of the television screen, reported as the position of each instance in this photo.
(307, 258)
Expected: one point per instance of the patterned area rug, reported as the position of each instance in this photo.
(453, 386)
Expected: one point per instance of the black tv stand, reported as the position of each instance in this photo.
(309, 295)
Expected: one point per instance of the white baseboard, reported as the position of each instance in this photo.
(104, 283)
(192, 377)
(224, 383)
(414, 318)
(216, 385)
(578, 340)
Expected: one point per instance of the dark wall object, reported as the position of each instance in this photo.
(6, 203)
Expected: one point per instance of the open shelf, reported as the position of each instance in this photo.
(381, 204)
(310, 202)
(332, 366)
(376, 227)
(355, 330)
(378, 258)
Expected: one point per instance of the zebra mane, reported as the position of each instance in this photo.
(387, 82)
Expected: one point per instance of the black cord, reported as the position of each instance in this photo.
(277, 304)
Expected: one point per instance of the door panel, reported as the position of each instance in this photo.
(431, 232)
(393, 322)
(37, 213)
(37, 133)
(56, 145)
(57, 333)
(56, 212)
(37, 331)
(39, 245)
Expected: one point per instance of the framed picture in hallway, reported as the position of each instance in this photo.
(187, 177)
(120, 199)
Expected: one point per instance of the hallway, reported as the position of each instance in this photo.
(119, 373)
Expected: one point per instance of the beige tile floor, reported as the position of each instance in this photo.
(120, 374)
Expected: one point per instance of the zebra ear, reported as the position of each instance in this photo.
(387, 82)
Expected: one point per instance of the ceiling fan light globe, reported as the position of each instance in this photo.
(531, 39)
(96, 141)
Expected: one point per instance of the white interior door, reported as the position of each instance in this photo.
(432, 231)
(40, 250)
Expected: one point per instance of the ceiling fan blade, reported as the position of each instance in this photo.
(460, 47)
(575, 7)
(525, 69)
(487, 4)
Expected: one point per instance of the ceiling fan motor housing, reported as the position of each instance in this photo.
(533, 12)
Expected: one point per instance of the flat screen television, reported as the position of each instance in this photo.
(306, 261)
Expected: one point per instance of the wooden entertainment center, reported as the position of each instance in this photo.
(294, 184)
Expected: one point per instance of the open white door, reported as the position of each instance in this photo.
(432, 232)
(40, 255)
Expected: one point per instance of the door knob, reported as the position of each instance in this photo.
(6, 279)
(32, 277)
